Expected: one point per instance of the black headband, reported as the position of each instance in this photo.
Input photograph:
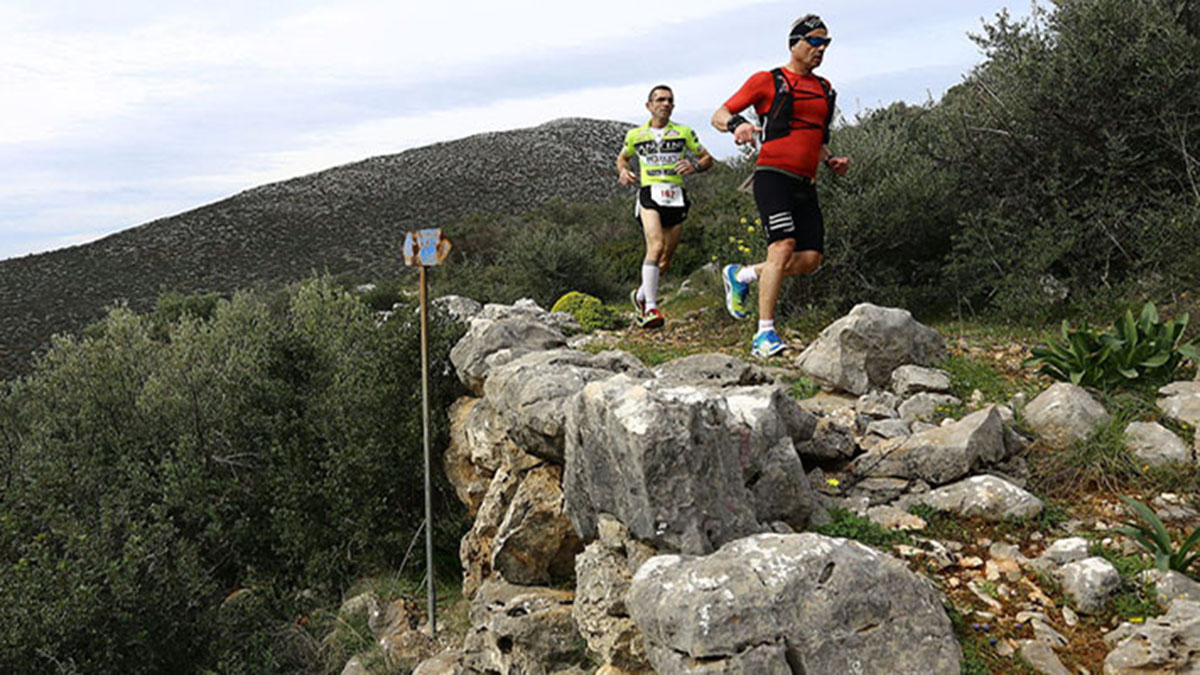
(803, 26)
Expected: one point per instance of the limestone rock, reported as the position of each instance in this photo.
(520, 629)
(1042, 658)
(1089, 583)
(877, 405)
(924, 406)
(833, 437)
(1180, 401)
(602, 580)
(942, 454)
(489, 343)
(1170, 586)
(909, 379)
(711, 369)
(1065, 413)
(791, 603)
(1062, 552)
(1154, 444)
(535, 543)
(459, 308)
(860, 350)
(529, 393)
(661, 461)
(986, 497)
(528, 309)
(1166, 644)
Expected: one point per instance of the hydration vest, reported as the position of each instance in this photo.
(777, 123)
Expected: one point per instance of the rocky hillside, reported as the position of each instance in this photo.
(350, 218)
(705, 516)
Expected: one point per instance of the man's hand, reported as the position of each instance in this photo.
(838, 165)
(747, 132)
(684, 167)
(627, 177)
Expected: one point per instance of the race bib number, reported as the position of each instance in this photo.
(666, 195)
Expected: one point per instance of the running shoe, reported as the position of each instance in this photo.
(651, 319)
(736, 292)
(639, 305)
(767, 343)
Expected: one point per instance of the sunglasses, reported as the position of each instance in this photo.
(815, 41)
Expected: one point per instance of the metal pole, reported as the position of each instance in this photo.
(425, 420)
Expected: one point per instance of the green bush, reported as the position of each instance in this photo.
(1150, 533)
(589, 312)
(275, 448)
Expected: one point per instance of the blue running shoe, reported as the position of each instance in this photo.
(767, 343)
(736, 292)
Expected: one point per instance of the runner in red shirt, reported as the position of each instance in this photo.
(784, 178)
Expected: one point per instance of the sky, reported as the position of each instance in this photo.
(122, 112)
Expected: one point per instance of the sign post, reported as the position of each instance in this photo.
(426, 248)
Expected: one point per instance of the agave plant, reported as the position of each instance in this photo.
(1147, 349)
(1152, 535)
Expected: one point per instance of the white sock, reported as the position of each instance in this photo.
(747, 274)
(650, 285)
(765, 325)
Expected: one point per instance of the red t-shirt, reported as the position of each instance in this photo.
(800, 151)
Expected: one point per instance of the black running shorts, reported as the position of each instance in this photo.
(670, 215)
(789, 210)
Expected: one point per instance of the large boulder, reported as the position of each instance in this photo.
(529, 392)
(662, 461)
(942, 454)
(1065, 413)
(520, 629)
(859, 351)
(791, 603)
(493, 342)
(1165, 644)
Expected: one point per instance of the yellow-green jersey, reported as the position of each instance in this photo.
(659, 153)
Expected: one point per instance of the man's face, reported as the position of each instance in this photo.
(808, 55)
(661, 103)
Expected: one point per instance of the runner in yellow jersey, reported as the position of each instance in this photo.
(660, 146)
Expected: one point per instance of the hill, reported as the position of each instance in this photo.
(350, 218)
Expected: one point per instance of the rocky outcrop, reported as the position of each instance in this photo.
(680, 468)
(987, 497)
(490, 343)
(861, 350)
(791, 603)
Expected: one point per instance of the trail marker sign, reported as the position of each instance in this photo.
(427, 248)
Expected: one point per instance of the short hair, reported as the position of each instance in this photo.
(650, 96)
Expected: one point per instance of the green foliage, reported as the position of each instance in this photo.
(1150, 533)
(850, 526)
(1080, 176)
(968, 374)
(589, 311)
(276, 448)
(1146, 350)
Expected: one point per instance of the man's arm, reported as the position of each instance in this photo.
(745, 131)
(625, 176)
(838, 165)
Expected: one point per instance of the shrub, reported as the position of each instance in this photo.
(269, 448)
(589, 312)
(1147, 350)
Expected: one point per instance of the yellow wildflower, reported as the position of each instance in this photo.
(833, 481)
